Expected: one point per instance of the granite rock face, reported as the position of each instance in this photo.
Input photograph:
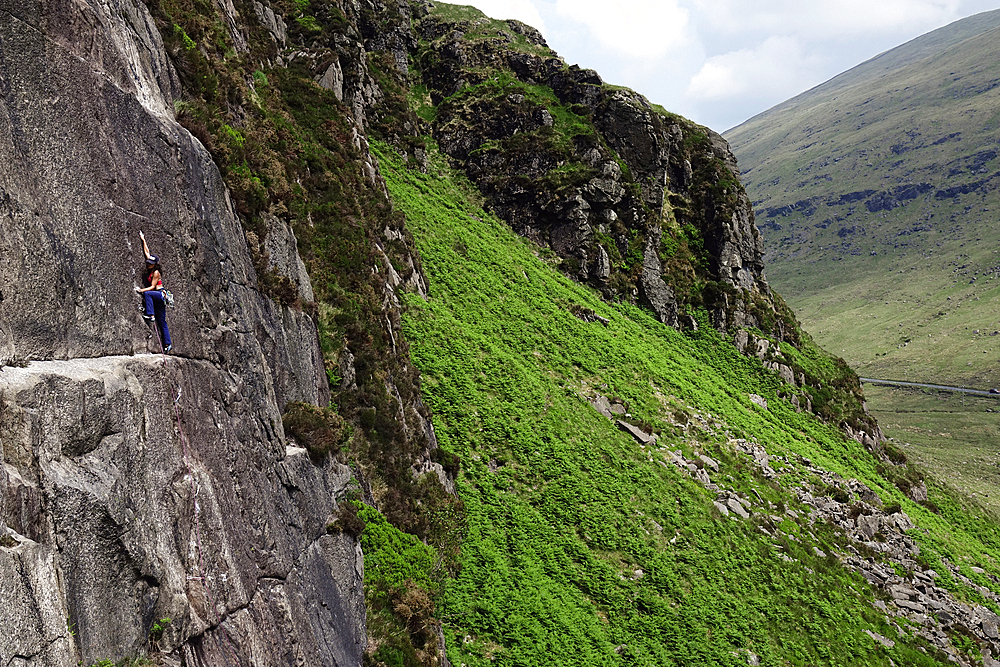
(119, 519)
(136, 487)
(92, 156)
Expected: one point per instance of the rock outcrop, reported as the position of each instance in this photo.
(878, 543)
(800, 388)
(136, 487)
(116, 519)
(639, 203)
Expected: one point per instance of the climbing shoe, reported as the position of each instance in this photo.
(168, 349)
(148, 318)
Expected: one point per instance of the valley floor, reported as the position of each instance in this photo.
(955, 437)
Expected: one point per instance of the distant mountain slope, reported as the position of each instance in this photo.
(881, 186)
(926, 46)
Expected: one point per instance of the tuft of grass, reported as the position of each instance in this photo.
(321, 431)
(477, 27)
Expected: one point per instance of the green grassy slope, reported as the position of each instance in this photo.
(529, 173)
(877, 193)
(584, 547)
(578, 545)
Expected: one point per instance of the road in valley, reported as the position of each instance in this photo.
(920, 385)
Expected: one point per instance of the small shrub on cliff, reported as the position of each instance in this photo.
(927, 504)
(347, 520)
(838, 494)
(894, 453)
(319, 430)
(159, 627)
(893, 508)
(718, 294)
(450, 461)
(903, 477)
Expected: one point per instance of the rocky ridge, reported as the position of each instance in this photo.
(638, 203)
(612, 185)
(868, 432)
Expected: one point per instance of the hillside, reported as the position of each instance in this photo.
(635, 495)
(876, 195)
(474, 363)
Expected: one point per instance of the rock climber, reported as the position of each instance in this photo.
(152, 293)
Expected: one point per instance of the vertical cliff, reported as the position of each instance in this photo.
(137, 487)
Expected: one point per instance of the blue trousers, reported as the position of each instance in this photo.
(156, 307)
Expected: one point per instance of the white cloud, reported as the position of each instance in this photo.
(777, 67)
(522, 10)
(634, 28)
(825, 19)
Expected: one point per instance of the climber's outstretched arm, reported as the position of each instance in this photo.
(145, 248)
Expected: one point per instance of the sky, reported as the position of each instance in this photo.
(721, 62)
